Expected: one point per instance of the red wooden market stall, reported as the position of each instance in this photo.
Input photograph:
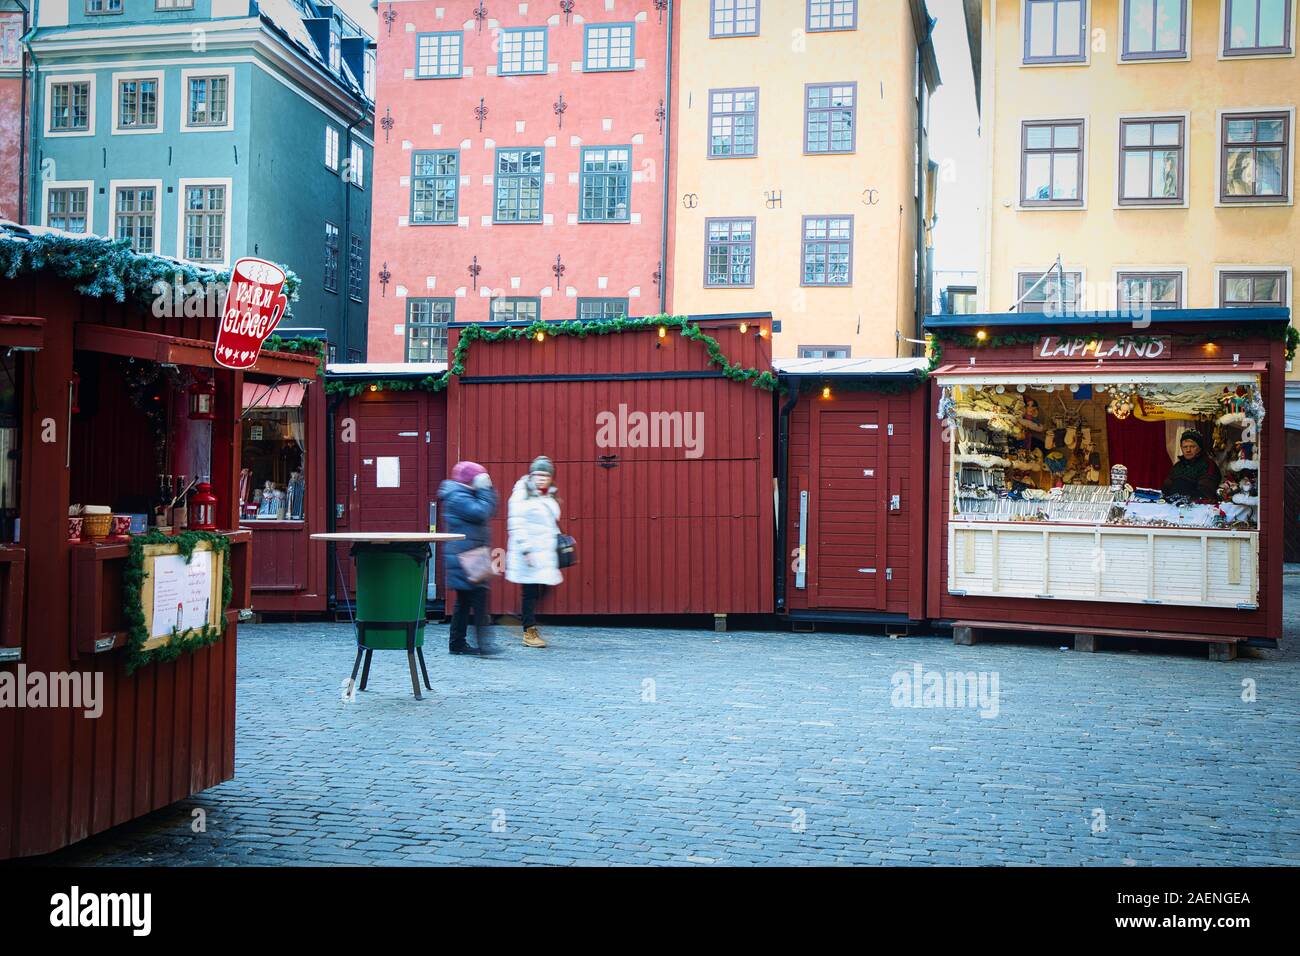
(105, 406)
(852, 475)
(1056, 503)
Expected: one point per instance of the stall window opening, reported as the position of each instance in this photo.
(10, 446)
(272, 479)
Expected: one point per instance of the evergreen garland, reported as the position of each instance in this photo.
(133, 576)
(298, 345)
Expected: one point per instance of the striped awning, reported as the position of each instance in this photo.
(285, 395)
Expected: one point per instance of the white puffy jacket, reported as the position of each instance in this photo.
(533, 525)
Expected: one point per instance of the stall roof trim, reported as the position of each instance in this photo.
(394, 369)
(1100, 374)
(1108, 317)
(851, 367)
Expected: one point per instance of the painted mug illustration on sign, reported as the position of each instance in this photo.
(254, 306)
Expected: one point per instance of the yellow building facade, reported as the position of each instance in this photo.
(1150, 144)
(799, 181)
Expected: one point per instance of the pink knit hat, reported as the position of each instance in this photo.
(466, 471)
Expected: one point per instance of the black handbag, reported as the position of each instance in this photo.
(566, 550)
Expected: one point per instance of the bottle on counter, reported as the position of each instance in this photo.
(180, 511)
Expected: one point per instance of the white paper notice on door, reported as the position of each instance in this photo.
(182, 593)
(388, 472)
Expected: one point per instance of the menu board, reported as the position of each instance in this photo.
(180, 596)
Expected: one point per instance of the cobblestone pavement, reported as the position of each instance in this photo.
(636, 746)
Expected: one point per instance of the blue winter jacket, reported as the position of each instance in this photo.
(464, 510)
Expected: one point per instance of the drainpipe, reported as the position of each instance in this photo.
(668, 133)
(347, 232)
(24, 183)
(782, 482)
(22, 120)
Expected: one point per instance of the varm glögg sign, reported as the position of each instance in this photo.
(253, 308)
(1091, 348)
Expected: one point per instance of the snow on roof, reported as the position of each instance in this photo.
(288, 18)
(386, 368)
(850, 366)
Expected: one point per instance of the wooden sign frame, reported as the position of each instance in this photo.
(154, 551)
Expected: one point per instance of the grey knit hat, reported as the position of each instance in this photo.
(543, 464)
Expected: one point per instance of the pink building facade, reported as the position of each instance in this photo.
(12, 112)
(519, 166)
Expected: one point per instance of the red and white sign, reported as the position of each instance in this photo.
(1100, 349)
(254, 306)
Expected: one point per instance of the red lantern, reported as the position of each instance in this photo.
(203, 508)
(203, 399)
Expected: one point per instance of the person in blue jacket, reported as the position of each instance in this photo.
(468, 503)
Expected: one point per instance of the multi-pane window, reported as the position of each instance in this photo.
(208, 100)
(1055, 295)
(608, 46)
(589, 309)
(336, 52)
(729, 252)
(830, 117)
(516, 309)
(1257, 26)
(824, 351)
(1056, 31)
(733, 123)
(137, 103)
(1155, 29)
(1255, 158)
(1139, 291)
(70, 106)
(66, 209)
(133, 215)
(435, 187)
(205, 223)
(357, 165)
(438, 55)
(173, 4)
(522, 51)
(355, 256)
(606, 183)
(10, 31)
(733, 18)
(518, 182)
(827, 250)
(103, 6)
(1151, 161)
(426, 329)
(1051, 164)
(331, 147)
(832, 15)
(1241, 290)
(331, 260)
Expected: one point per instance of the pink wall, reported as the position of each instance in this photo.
(10, 129)
(603, 109)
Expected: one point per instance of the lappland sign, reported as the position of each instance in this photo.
(1084, 347)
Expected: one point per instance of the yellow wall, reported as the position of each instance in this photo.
(880, 57)
(1101, 238)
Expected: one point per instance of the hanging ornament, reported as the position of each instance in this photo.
(203, 398)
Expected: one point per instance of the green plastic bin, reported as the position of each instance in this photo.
(390, 590)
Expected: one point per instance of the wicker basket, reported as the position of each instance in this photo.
(95, 527)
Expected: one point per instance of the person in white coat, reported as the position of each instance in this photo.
(533, 526)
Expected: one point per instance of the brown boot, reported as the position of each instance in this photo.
(533, 638)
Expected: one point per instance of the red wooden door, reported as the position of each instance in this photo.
(846, 539)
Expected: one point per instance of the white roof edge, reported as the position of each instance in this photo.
(850, 366)
(386, 368)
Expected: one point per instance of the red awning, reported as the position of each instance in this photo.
(284, 395)
(22, 331)
(181, 351)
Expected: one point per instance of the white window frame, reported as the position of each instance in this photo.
(87, 184)
(229, 73)
(356, 165)
(157, 186)
(1119, 156)
(1223, 30)
(1221, 271)
(181, 186)
(331, 146)
(54, 79)
(157, 76)
(1218, 156)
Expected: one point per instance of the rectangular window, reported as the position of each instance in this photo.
(523, 51)
(272, 449)
(1052, 296)
(435, 187)
(331, 257)
(357, 165)
(336, 52)
(173, 4)
(827, 250)
(832, 15)
(355, 257)
(733, 123)
(1242, 290)
(824, 351)
(137, 103)
(1150, 290)
(516, 309)
(608, 46)
(438, 55)
(591, 309)
(518, 182)
(205, 223)
(96, 7)
(1155, 29)
(70, 106)
(1254, 27)
(134, 216)
(66, 209)
(1151, 161)
(10, 31)
(606, 183)
(1056, 31)
(331, 147)
(426, 329)
(830, 117)
(1255, 159)
(729, 253)
(733, 18)
(208, 103)
(1051, 164)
